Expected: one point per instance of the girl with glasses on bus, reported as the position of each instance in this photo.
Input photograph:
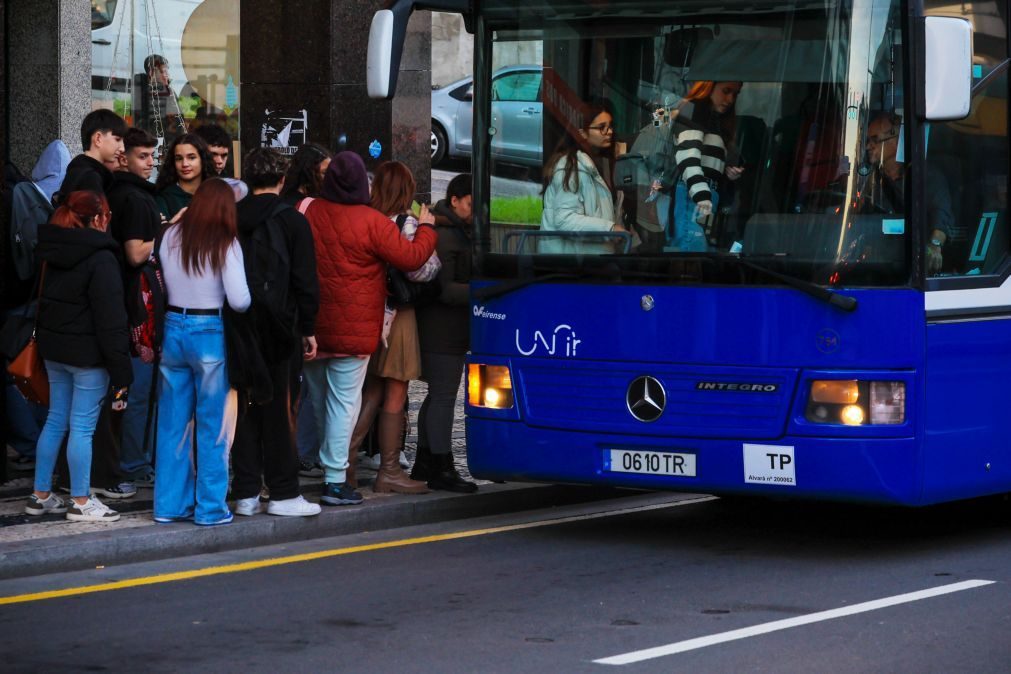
(705, 124)
(577, 196)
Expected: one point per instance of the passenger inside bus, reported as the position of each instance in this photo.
(706, 162)
(578, 194)
(884, 191)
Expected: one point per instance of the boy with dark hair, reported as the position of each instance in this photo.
(135, 224)
(280, 260)
(102, 134)
(219, 142)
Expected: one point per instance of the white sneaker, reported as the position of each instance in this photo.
(52, 504)
(404, 463)
(372, 462)
(92, 511)
(247, 507)
(293, 507)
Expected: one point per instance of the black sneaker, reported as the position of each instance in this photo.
(309, 468)
(340, 494)
(116, 491)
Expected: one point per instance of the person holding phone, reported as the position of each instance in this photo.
(705, 126)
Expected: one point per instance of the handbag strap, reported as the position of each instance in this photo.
(38, 304)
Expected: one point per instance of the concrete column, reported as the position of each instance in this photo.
(50, 88)
(310, 55)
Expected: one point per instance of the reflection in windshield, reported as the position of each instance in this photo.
(776, 134)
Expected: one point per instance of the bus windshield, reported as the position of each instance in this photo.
(661, 133)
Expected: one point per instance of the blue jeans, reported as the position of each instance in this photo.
(75, 400)
(24, 421)
(194, 397)
(134, 452)
(335, 386)
(685, 234)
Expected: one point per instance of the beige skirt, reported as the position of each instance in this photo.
(402, 360)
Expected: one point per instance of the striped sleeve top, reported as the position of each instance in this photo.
(701, 157)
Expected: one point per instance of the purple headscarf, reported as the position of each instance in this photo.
(346, 181)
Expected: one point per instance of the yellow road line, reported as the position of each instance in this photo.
(323, 554)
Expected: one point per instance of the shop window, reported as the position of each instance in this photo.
(167, 66)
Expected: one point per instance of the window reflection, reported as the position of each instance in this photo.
(167, 66)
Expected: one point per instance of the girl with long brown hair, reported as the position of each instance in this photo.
(83, 338)
(398, 359)
(203, 268)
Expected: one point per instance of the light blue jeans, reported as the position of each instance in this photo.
(134, 453)
(194, 399)
(335, 387)
(685, 234)
(75, 400)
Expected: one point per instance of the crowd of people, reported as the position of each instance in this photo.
(216, 338)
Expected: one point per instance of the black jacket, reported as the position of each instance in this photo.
(444, 325)
(135, 213)
(82, 319)
(303, 284)
(85, 173)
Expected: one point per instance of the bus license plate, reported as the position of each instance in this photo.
(649, 463)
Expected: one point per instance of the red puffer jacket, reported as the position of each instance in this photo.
(353, 246)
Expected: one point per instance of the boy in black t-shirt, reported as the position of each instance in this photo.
(135, 224)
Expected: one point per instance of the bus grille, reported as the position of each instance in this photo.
(704, 402)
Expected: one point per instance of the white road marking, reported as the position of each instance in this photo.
(765, 628)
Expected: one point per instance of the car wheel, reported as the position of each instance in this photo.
(438, 144)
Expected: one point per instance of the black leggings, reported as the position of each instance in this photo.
(435, 420)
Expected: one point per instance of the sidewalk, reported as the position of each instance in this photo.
(35, 545)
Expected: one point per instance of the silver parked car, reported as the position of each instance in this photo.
(516, 112)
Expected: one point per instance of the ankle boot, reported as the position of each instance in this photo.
(446, 478)
(370, 407)
(391, 477)
(424, 466)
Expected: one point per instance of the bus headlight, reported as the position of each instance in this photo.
(856, 403)
(489, 386)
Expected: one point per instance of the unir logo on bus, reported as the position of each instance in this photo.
(561, 341)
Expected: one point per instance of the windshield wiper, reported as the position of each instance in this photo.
(843, 302)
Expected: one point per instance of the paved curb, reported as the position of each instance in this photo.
(125, 546)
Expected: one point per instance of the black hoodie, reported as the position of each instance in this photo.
(82, 318)
(444, 325)
(85, 173)
(303, 285)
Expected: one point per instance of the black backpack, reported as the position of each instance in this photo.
(268, 274)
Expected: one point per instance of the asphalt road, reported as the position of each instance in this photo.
(737, 586)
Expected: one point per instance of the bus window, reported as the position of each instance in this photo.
(972, 155)
(685, 135)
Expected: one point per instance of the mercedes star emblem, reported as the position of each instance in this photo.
(646, 398)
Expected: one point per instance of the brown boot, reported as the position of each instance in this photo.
(391, 477)
(370, 406)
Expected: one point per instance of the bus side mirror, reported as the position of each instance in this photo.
(947, 82)
(385, 38)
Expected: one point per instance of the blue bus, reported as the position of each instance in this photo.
(838, 323)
